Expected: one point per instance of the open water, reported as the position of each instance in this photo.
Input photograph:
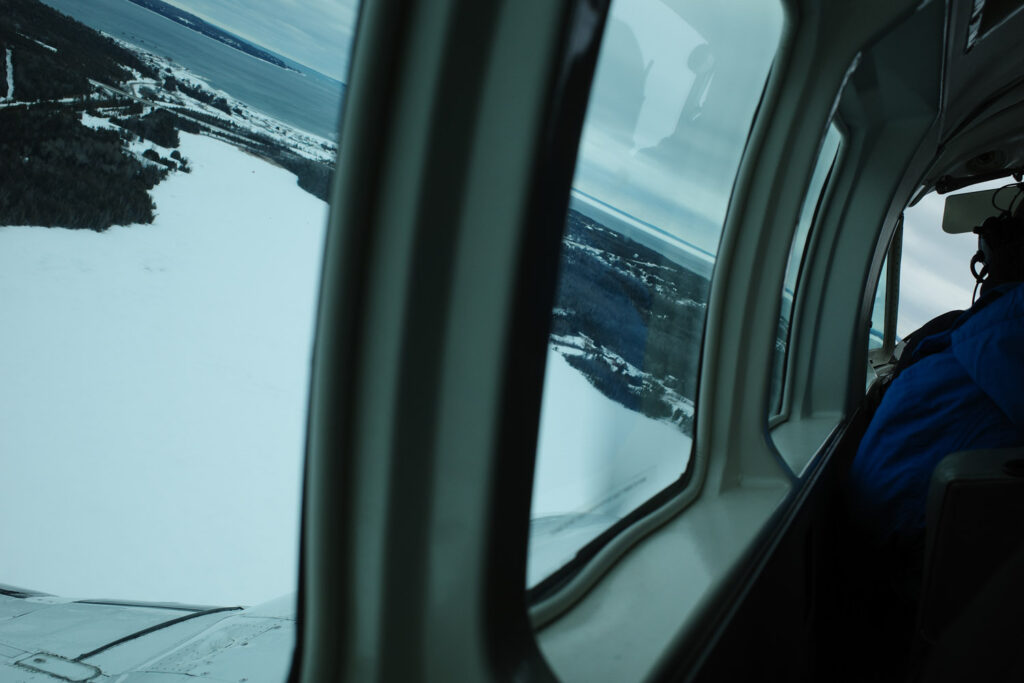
(305, 99)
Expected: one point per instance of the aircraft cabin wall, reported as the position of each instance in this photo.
(866, 180)
(433, 530)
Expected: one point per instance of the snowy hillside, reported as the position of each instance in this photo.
(155, 378)
(96, 122)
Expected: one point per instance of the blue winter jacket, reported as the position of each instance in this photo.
(964, 391)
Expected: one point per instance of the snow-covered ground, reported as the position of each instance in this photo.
(582, 346)
(597, 461)
(302, 142)
(154, 392)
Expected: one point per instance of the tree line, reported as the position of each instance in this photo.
(56, 172)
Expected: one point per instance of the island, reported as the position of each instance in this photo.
(191, 21)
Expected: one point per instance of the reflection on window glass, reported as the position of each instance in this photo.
(673, 99)
(877, 333)
(162, 215)
(935, 272)
(798, 247)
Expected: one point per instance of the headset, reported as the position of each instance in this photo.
(1000, 255)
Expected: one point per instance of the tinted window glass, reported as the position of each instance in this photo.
(673, 99)
(935, 272)
(877, 334)
(794, 265)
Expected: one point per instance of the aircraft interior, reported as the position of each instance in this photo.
(747, 567)
(609, 299)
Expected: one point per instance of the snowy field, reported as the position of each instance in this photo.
(154, 396)
(596, 462)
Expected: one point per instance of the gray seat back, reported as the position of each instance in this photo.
(975, 526)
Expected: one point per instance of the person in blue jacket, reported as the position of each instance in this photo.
(960, 386)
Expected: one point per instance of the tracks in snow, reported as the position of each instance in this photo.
(9, 97)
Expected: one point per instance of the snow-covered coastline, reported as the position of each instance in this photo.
(307, 144)
(153, 420)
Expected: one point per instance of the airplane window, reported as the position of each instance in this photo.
(808, 211)
(935, 268)
(877, 356)
(673, 98)
(162, 216)
(934, 273)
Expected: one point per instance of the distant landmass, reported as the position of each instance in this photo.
(88, 125)
(630, 320)
(193, 22)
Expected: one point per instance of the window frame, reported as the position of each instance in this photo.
(559, 591)
(410, 193)
(780, 412)
(880, 360)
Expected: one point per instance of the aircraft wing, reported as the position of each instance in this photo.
(44, 638)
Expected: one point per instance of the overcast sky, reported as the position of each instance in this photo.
(317, 33)
(935, 271)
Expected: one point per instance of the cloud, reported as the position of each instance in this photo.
(935, 270)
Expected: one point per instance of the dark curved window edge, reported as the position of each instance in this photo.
(510, 635)
(559, 578)
(299, 646)
(831, 461)
(712, 623)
